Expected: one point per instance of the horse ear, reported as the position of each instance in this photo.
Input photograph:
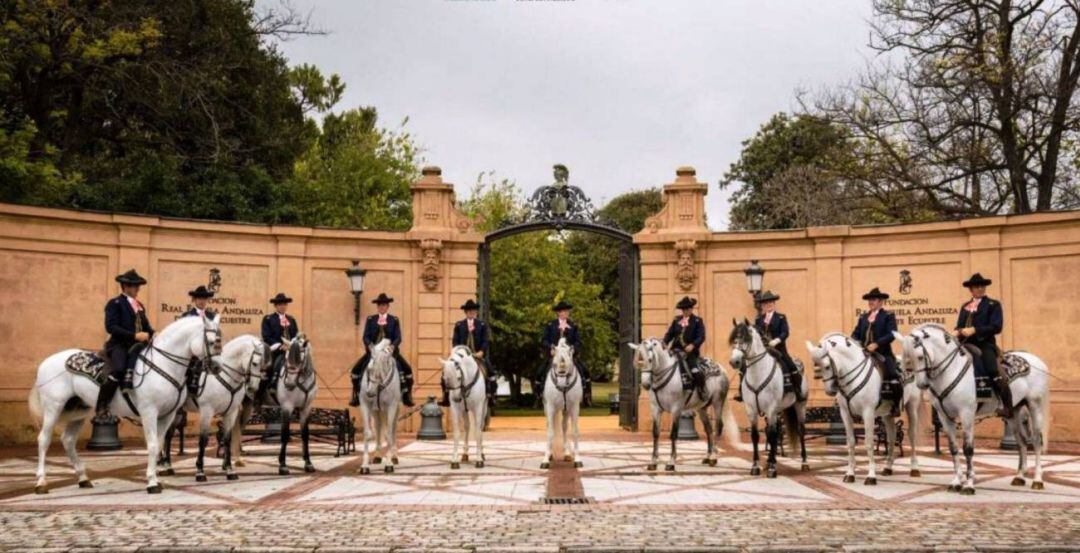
(633, 346)
(746, 321)
(898, 336)
(734, 322)
(810, 346)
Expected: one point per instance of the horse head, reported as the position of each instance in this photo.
(648, 357)
(744, 341)
(257, 363)
(824, 356)
(563, 361)
(454, 370)
(297, 360)
(924, 351)
(381, 368)
(205, 345)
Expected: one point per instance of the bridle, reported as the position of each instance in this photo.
(299, 372)
(569, 380)
(747, 361)
(211, 348)
(664, 374)
(860, 373)
(463, 388)
(934, 371)
(234, 379)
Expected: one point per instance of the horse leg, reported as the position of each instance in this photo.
(1015, 425)
(305, 438)
(391, 438)
(710, 450)
(950, 433)
(718, 414)
(1037, 420)
(913, 433)
(286, 435)
(890, 445)
(204, 438)
(165, 459)
(575, 414)
(969, 452)
(365, 467)
(465, 428)
(564, 422)
(152, 431)
(549, 413)
(675, 414)
(849, 441)
(868, 432)
(228, 429)
(455, 421)
(238, 433)
(655, 439)
(380, 421)
(800, 418)
(69, 439)
(755, 467)
(481, 415)
(49, 418)
(772, 432)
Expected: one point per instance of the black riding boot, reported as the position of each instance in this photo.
(105, 396)
(406, 389)
(445, 400)
(796, 384)
(1005, 394)
(586, 397)
(738, 388)
(354, 401)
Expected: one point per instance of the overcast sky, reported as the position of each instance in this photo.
(621, 91)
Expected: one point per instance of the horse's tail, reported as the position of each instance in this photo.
(791, 425)
(730, 433)
(35, 403)
(1046, 420)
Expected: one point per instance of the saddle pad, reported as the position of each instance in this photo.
(1015, 366)
(88, 364)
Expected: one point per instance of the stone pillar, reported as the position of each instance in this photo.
(445, 253)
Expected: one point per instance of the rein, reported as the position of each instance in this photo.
(938, 368)
(749, 361)
(145, 357)
(465, 388)
(842, 381)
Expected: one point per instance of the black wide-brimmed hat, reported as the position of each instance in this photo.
(563, 305)
(131, 277)
(200, 292)
(470, 305)
(280, 298)
(686, 303)
(977, 280)
(383, 298)
(767, 296)
(875, 294)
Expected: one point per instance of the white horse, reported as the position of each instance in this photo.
(848, 371)
(942, 365)
(221, 392)
(380, 399)
(59, 396)
(660, 375)
(468, 398)
(296, 388)
(562, 400)
(763, 392)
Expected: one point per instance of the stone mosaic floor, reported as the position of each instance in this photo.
(613, 480)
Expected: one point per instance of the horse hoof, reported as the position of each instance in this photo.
(755, 471)
(1037, 486)
(712, 462)
(232, 476)
(86, 484)
(771, 473)
(309, 468)
(388, 469)
(651, 467)
(41, 490)
(200, 478)
(545, 465)
(376, 460)
(156, 488)
(578, 464)
(239, 463)
(870, 481)
(456, 466)
(283, 471)
(168, 472)
(967, 491)
(365, 470)
(954, 487)
(886, 472)
(805, 467)
(849, 478)
(916, 473)
(669, 468)
(465, 457)
(479, 464)
(1018, 481)
(705, 461)
(394, 460)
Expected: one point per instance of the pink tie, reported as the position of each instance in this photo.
(284, 320)
(768, 318)
(382, 319)
(973, 305)
(470, 321)
(685, 322)
(135, 305)
(873, 315)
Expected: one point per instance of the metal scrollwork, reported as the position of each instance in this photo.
(560, 203)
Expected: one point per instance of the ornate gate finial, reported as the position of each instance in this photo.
(560, 202)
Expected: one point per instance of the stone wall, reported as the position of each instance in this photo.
(821, 274)
(57, 269)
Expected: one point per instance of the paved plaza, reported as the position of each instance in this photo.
(425, 504)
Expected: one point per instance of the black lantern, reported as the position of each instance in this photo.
(755, 277)
(356, 284)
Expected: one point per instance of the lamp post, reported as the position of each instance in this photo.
(356, 284)
(755, 277)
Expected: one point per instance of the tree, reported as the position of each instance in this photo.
(530, 273)
(972, 108)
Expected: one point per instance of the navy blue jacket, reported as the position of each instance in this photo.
(552, 335)
(880, 333)
(272, 332)
(195, 312)
(373, 333)
(121, 322)
(987, 320)
(778, 328)
(694, 333)
(479, 335)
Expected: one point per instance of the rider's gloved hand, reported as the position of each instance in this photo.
(774, 342)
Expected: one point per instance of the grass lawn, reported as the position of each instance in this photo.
(601, 405)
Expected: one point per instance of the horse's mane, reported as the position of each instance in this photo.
(742, 332)
(462, 348)
(935, 326)
(178, 325)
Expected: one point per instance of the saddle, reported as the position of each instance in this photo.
(1011, 366)
(789, 386)
(88, 364)
(889, 388)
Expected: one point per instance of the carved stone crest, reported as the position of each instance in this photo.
(685, 274)
(432, 251)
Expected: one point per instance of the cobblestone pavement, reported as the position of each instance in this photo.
(424, 504)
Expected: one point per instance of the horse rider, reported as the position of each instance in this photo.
(874, 331)
(200, 297)
(684, 337)
(277, 327)
(378, 327)
(980, 321)
(129, 332)
(773, 325)
(473, 332)
(563, 327)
